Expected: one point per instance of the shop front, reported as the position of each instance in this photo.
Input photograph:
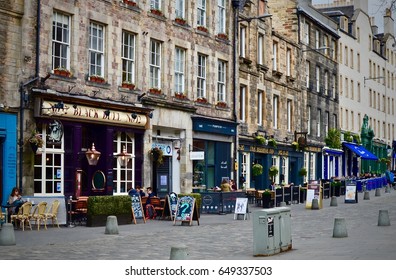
(89, 147)
(284, 158)
(332, 159)
(214, 138)
(8, 154)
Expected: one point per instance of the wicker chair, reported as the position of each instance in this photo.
(38, 214)
(2, 217)
(23, 215)
(52, 213)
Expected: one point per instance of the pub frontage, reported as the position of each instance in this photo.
(84, 139)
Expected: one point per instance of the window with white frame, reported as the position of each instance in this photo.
(326, 44)
(245, 167)
(242, 41)
(289, 115)
(260, 107)
(128, 57)
(180, 9)
(221, 81)
(283, 170)
(155, 4)
(60, 41)
(96, 49)
(326, 83)
(201, 13)
(317, 79)
(333, 51)
(327, 123)
(352, 90)
(260, 49)
(312, 163)
(317, 39)
(319, 123)
(179, 70)
(288, 62)
(155, 64)
(242, 104)
(275, 109)
(275, 162)
(307, 30)
(334, 86)
(48, 166)
(201, 77)
(275, 56)
(307, 69)
(335, 121)
(309, 120)
(123, 176)
(221, 22)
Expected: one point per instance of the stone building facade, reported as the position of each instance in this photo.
(113, 76)
(316, 36)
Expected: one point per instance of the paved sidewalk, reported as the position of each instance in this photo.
(222, 237)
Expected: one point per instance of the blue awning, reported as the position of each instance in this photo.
(333, 152)
(360, 151)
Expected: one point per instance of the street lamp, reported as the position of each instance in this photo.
(123, 157)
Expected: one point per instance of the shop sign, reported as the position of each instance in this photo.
(71, 111)
(197, 155)
(166, 148)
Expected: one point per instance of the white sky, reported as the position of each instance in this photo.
(376, 9)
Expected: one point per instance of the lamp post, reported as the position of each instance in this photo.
(237, 5)
(123, 157)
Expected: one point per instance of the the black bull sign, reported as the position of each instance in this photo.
(216, 202)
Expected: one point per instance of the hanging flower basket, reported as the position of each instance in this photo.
(295, 146)
(257, 169)
(260, 139)
(157, 155)
(272, 142)
(35, 140)
(303, 172)
(273, 171)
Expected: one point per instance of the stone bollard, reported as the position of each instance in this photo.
(315, 204)
(366, 195)
(377, 192)
(333, 201)
(111, 225)
(178, 252)
(387, 189)
(7, 235)
(383, 218)
(282, 204)
(340, 229)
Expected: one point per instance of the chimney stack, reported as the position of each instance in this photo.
(389, 23)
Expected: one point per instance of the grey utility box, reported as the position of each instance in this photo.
(271, 231)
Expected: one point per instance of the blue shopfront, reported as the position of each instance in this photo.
(8, 154)
(331, 163)
(213, 137)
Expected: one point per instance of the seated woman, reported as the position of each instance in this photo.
(225, 186)
(15, 200)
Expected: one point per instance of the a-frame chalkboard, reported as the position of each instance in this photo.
(186, 210)
(137, 208)
(170, 206)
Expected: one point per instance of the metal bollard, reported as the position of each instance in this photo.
(178, 252)
(339, 229)
(383, 218)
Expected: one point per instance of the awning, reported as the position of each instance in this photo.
(360, 151)
(333, 152)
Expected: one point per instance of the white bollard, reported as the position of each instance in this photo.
(178, 252)
(383, 218)
(111, 225)
(340, 229)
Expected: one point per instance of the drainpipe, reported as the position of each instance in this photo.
(24, 97)
(234, 87)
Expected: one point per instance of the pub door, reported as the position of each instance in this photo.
(162, 179)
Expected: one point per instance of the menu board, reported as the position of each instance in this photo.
(137, 208)
(186, 210)
(314, 191)
(350, 192)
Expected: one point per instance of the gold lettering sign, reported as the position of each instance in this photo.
(283, 153)
(91, 113)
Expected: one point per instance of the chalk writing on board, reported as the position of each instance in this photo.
(137, 206)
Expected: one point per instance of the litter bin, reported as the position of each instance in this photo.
(271, 231)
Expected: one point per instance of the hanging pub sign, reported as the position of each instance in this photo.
(54, 132)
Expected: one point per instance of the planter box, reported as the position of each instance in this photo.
(267, 201)
(100, 220)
